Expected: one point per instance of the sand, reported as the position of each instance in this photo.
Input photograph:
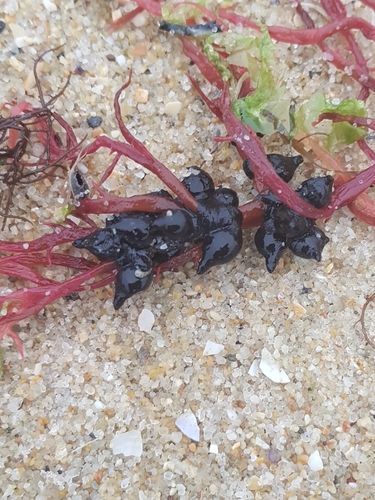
(192, 350)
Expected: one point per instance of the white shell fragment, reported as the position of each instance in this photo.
(315, 462)
(129, 444)
(214, 449)
(270, 368)
(188, 425)
(212, 348)
(254, 368)
(146, 321)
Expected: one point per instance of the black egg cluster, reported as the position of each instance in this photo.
(139, 241)
(282, 227)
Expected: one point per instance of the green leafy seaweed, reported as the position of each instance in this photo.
(309, 112)
(62, 213)
(242, 51)
(337, 133)
(344, 132)
(267, 109)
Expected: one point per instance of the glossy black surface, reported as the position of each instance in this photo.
(311, 245)
(269, 245)
(127, 284)
(199, 183)
(191, 30)
(283, 228)
(316, 191)
(139, 241)
(285, 166)
(220, 220)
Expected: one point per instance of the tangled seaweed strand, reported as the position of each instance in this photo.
(20, 133)
(361, 320)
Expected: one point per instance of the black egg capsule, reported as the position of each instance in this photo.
(219, 247)
(134, 230)
(219, 221)
(288, 223)
(285, 228)
(134, 276)
(270, 246)
(163, 249)
(226, 196)
(247, 168)
(199, 184)
(173, 224)
(104, 244)
(285, 166)
(311, 245)
(219, 211)
(317, 191)
(129, 281)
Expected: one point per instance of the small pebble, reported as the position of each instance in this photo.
(94, 121)
(302, 459)
(173, 108)
(193, 447)
(146, 321)
(141, 96)
(298, 309)
(29, 83)
(49, 6)
(212, 348)
(188, 425)
(82, 168)
(116, 14)
(140, 20)
(274, 455)
(2, 26)
(270, 368)
(111, 57)
(38, 369)
(16, 64)
(140, 50)
(315, 462)
(129, 444)
(176, 437)
(121, 60)
(17, 30)
(262, 444)
(215, 315)
(253, 483)
(366, 422)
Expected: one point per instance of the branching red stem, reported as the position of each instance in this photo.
(24, 303)
(116, 204)
(208, 70)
